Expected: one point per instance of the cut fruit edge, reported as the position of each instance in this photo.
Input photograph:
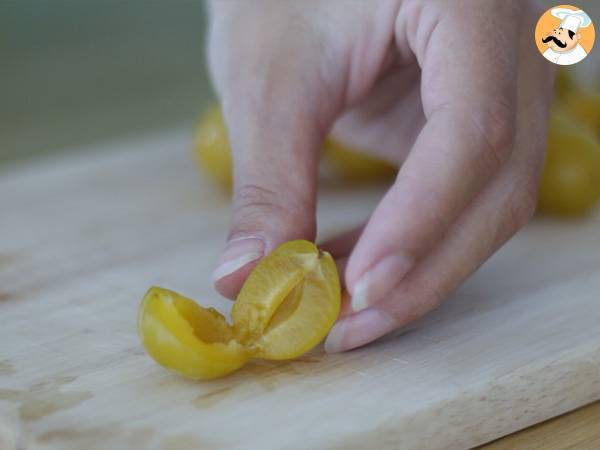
(291, 314)
(163, 323)
(167, 318)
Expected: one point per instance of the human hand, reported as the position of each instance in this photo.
(455, 91)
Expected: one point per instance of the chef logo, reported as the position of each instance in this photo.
(565, 35)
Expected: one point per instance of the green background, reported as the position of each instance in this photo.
(74, 72)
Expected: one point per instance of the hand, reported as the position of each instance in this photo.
(455, 91)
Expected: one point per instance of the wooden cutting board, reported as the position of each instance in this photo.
(83, 237)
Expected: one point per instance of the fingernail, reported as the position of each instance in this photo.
(238, 252)
(379, 281)
(359, 329)
(335, 338)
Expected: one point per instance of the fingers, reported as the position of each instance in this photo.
(387, 122)
(283, 77)
(420, 208)
(484, 227)
(277, 110)
(275, 168)
(468, 137)
(503, 207)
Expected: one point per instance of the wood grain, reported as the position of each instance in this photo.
(579, 430)
(81, 239)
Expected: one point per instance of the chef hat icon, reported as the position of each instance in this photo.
(570, 19)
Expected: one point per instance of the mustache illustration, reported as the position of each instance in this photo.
(556, 41)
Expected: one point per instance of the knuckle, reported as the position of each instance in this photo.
(257, 206)
(427, 206)
(248, 195)
(494, 130)
(415, 300)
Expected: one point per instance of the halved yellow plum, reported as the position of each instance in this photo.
(289, 302)
(286, 307)
(190, 340)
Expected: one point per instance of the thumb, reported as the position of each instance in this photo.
(278, 106)
(275, 165)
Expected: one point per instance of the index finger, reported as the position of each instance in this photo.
(469, 95)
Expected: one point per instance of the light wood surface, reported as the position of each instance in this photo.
(82, 238)
(578, 430)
